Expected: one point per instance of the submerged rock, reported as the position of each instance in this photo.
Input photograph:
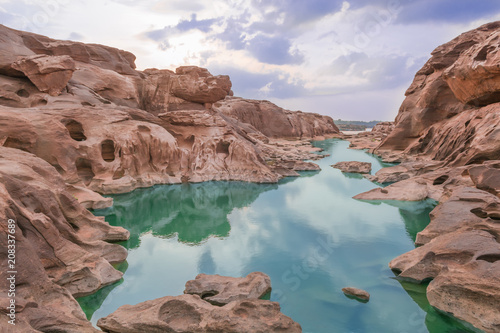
(353, 167)
(359, 294)
(221, 290)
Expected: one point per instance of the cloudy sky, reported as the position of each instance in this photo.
(348, 59)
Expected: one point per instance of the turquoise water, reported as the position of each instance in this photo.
(306, 233)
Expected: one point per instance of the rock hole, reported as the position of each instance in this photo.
(209, 294)
(84, 170)
(467, 123)
(222, 147)
(483, 54)
(23, 93)
(87, 104)
(440, 180)
(495, 166)
(15, 143)
(489, 257)
(75, 129)
(118, 174)
(479, 212)
(108, 150)
(39, 102)
(465, 173)
(143, 129)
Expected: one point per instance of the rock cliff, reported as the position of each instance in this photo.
(447, 136)
(78, 120)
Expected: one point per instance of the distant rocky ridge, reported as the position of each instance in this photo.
(77, 121)
(447, 137)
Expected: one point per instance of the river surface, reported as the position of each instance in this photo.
(306, 233)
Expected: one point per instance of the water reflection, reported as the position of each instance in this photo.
(234, 228)
(193, 212)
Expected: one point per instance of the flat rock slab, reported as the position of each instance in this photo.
(353, 167)
(190, 313)
(221, 290)
(356, 293)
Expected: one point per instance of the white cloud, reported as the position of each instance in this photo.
(313, 42)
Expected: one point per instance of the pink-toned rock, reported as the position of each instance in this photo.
(353, 167)
(475, 77)
(197, 85)
(487, 177)
(189, 313)
(49, 74)
(384, 127)
(276, 122)
(460, 252)
(221, 290)
(429, 100)
(61, 248)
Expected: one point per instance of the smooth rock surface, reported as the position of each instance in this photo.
(360, 294)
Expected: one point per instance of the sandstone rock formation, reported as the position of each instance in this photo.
(221, 290)
(448, 94)
(446, 134)
(77, 120)
(461, 254)
(353, 167)
(48, 73)
(189, 313)
(276, 122)
(61, 248)
(114, 129)
(356, 293)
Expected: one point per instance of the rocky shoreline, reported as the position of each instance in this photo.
(78, 121)
(445, 135)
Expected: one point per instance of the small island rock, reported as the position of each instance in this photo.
(357, 293)
(353, 167)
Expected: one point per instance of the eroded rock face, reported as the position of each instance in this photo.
(446, 86)
(189, 313)
(461, 254)
(94, 125)
(62, 250)
(353, 167)
(447, 135)
(276, 122)
(221, 290)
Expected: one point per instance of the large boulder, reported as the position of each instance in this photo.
(221, 290)
(353, 167)
(189, 313)
(197, 85)
(49, 74)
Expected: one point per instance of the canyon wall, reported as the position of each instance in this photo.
(77, 121)
(447, 134)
